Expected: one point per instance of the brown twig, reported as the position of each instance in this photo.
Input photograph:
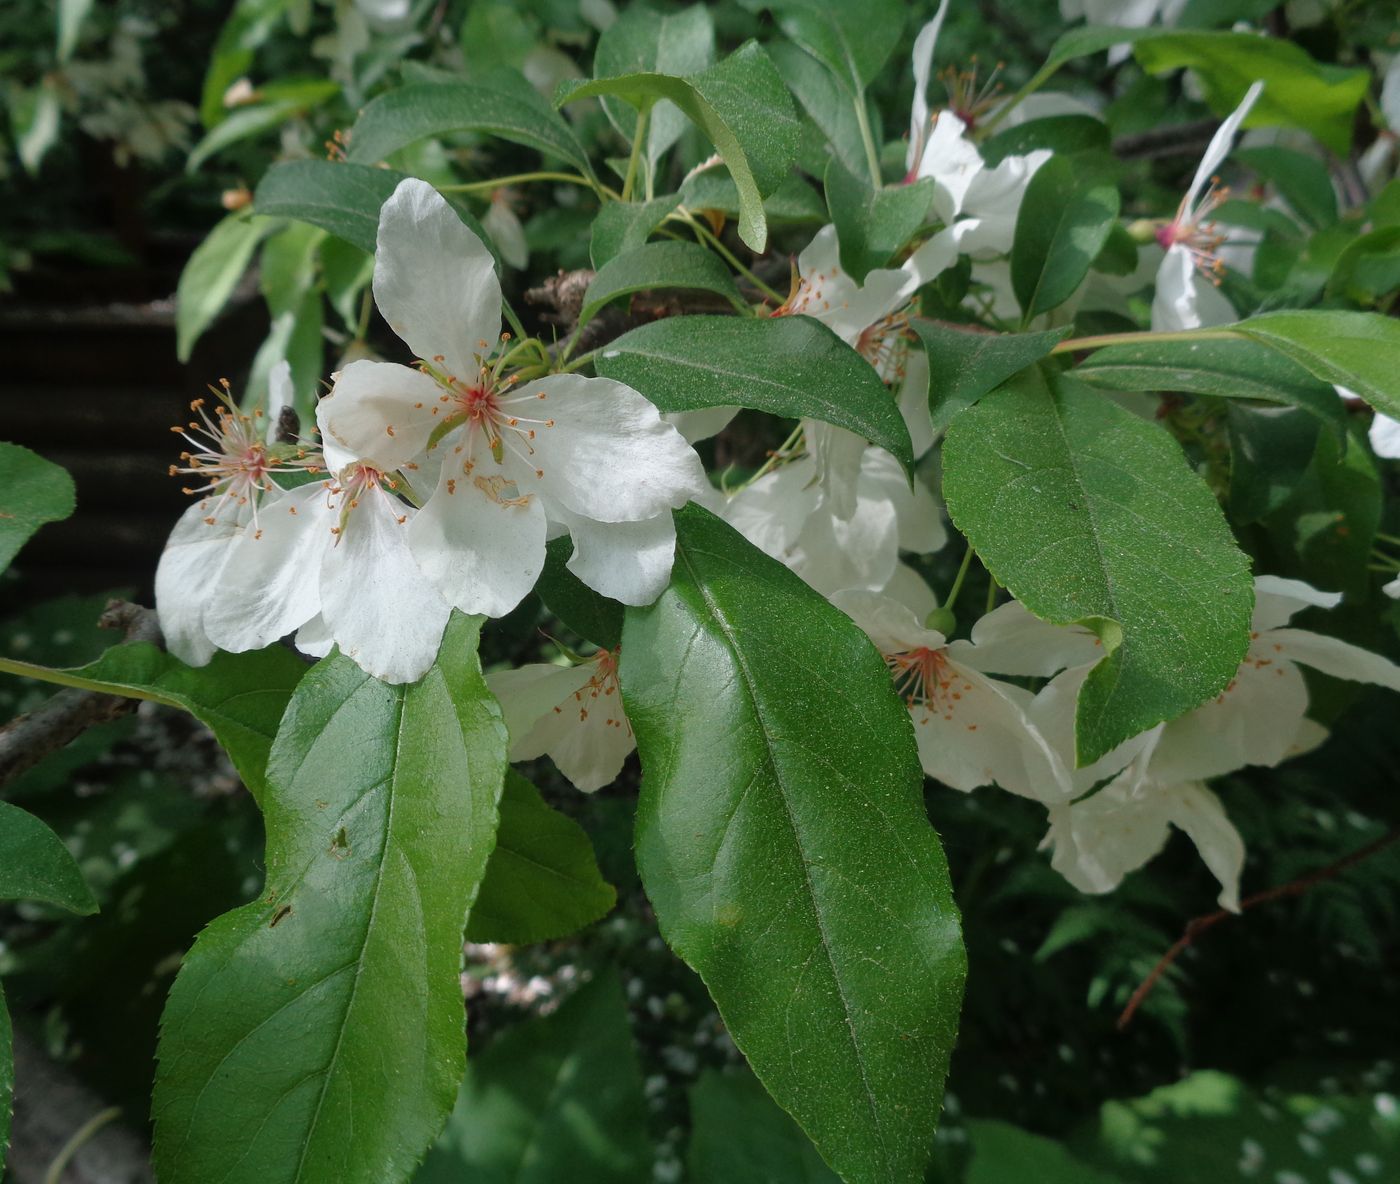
(27, 739)
(1176, 139)
(1198, 925)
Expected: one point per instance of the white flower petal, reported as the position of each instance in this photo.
(481, 548)
(702, 424)
(913, 401)
(856, 552)
(1340, 659)
(528, 693)
(1220, 144)
(837, 454)
(771, 512)
(918, 520)
(271, 586)
(1097, 841)
(280, 394)
(924, 45)
(932, 258)
(1384, 434)
(1011, 640)
(1276, 599)
(188, 577)
(976, 733)
(890, 624)
(314, 638)
(628, 561)
(609, 455)
(1390, 94)
(375, 601)
(908, 587)
(435, 281)
(379, 412)
(1194, 809)
(1053, 714)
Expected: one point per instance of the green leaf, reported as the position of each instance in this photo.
(1063, 225)
(1228, 369)
(1368, 271)
(1091, 515)
(588, 613)
(287, 268)
(623, 226)
(830, 109)
(245, 122)
(35, 865)
(316, 1034)
(343, 199)
(658, 266)
(1002, 1154)
(212, 274)
(1271, 449)
(872, 224)
(782, 839)
(1302, 180)
(1298, 91)
(499, 102)
(71, 15)
(542, 880)
(552, 1100)
(791, 366)
(1062, 134)
(7, 1075)
(964, 365)
(793, 202)
(1357, 350)
(853, 41)
(740, 1136)
(643, 40)
(33, 491)
(35, 118)
(249, 25)
(744, 108)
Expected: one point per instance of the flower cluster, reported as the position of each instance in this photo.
(436, 486)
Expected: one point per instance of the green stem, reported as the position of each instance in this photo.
(959, 578)
(1036, 81)
(704, 233)
(635, 158)
(74, 1145)
(779, 454)
(1075, 344)
(366, 303)
(66, 678)
(992, 589)
(519, 179)
(872, 157)
(1388, 538)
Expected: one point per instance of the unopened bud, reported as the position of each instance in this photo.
(941, 620)
(1143, 231)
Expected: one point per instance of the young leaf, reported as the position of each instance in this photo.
(782, 838)
(542, 880)
(1063, 225)
(1357, 350)
(499, 102)
(643, 40)
(1298, 91)
(33, 491)
(829, 107)
(1368, 271)
(740, 1136)
(791, 366)
(853, 41)
(588, 613)
(212, 273)
(316, 1034)
(342, 199)
(658, 266)
(623, 226)
(552, 1100)
(741, 104)
(1230, 369)
(872, 224)
(1090, 514)
(963, 365)
(35, 865)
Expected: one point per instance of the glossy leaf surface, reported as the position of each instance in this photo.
(33, 491)
(782, 838)
(35, 865)
(657, 267)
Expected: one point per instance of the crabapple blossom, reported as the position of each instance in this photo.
(572, 714)
(971, 730)
(509, 464)
(1189, 274)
